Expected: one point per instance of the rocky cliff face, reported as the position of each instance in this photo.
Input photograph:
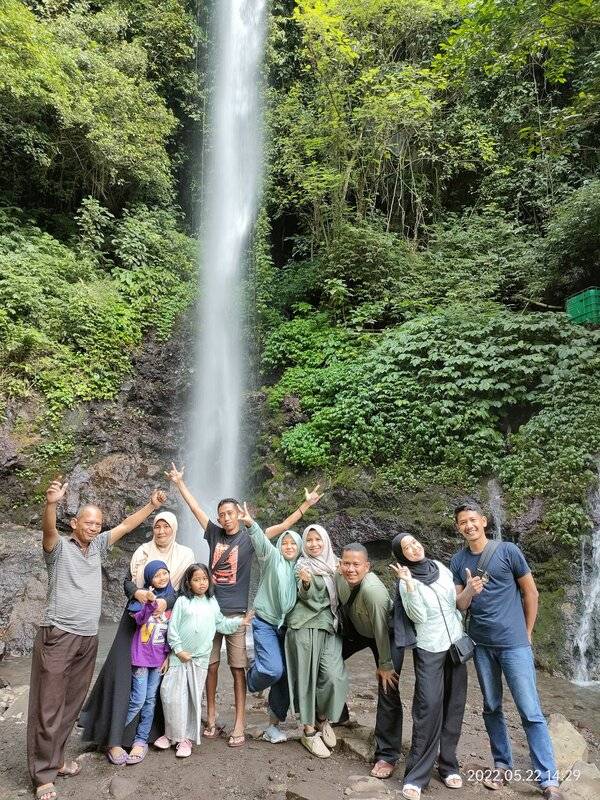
(120, 448)
(23, 587)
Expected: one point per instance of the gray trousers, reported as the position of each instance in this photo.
(437, 712)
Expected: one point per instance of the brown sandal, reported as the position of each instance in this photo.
(494, 779)
(70, 771)
(212, 731)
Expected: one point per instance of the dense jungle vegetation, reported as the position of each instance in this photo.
(432, 197)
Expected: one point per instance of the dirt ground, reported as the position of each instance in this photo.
(285, 771)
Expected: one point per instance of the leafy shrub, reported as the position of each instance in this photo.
(452, 397)
(572, 243)
(71, 316)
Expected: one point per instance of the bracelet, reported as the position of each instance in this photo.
(301, 512)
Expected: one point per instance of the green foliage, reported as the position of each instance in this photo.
(452, 398)
(71, 316)
(78, 113)
(572, 242)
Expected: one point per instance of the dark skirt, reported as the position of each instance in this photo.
(105, 711)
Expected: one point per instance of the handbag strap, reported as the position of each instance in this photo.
(442, 612)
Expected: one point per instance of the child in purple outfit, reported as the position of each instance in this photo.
(149, 654)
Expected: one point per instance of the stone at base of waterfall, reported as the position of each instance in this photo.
(583, 783)
(569, 744)
(312, 790)
(13, 702)
(122, 787)
(359, 741)
(365, 787)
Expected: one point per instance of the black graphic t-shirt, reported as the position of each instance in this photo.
(230, 564)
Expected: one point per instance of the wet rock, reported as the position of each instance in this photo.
(292, 410)
(9, 455)
(583, 782)
(569, 744)
(22, 589)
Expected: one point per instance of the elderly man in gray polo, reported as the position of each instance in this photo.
(65, 648)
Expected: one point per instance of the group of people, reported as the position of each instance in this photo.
(311, 612)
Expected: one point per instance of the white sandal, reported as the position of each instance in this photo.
(411, 792)
(453, 781)
(327, 734)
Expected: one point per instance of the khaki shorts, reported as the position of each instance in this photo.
(235, 644)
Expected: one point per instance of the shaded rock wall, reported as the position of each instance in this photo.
(24, 581)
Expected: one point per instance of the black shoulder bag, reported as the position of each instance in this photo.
(464, 649)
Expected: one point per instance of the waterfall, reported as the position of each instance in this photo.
(231, 188)
(496, 505)
(586, 649)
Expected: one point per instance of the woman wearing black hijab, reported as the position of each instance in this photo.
(427, 599)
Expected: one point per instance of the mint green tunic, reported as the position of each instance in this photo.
(276, 593)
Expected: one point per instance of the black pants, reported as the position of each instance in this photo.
(437, 711)
(388, 723)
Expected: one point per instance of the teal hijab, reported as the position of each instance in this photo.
(288, 589)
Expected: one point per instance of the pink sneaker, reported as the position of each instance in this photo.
(184, 749)
(163, 743)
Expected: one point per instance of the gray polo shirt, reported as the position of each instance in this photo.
(74, 598)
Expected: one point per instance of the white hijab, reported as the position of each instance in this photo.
(325, 565)
(177, 557)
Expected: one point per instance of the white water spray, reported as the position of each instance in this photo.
(230, 199)
(497, 513)
(586, 648)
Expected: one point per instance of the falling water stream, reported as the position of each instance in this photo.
(231, 188)
(586, 644)
(497, 513)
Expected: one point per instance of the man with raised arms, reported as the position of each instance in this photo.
(65, 647)
(231, 553)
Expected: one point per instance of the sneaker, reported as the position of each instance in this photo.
(274, 735)
(314, 744)
(184, 748)
(163, 743)
(327, 733)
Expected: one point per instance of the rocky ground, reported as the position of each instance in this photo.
(287, 771)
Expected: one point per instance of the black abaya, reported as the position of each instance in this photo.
(105, 711)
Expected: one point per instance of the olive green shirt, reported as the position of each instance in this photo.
(370, 613)
(313, 608)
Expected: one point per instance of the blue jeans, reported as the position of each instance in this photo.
(518, 668)
(268, 668)
(144, 688)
